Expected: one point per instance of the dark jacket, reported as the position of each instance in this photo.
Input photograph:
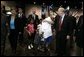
(21, 22)
(16, 22)
(79, 32)
(66, 28)
(3, 24)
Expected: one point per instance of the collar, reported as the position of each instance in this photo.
(63, 15)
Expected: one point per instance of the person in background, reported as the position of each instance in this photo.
(3, 10)
(73, 22)
(79, 36)
(3, 30)
(21, 24)
(38, 35)
(13, 30)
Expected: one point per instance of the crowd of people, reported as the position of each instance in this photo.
(38, 33)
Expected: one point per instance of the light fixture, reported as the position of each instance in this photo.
(9, 13)
(68, 8)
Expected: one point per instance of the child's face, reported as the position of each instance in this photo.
(32, 21)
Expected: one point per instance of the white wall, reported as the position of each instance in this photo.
(30, 8)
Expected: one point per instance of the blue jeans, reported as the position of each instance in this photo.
(48, 40)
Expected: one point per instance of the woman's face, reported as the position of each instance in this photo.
(13, 12)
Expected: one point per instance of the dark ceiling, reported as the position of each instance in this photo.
(56, 3)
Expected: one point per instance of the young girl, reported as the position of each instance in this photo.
(31, 34)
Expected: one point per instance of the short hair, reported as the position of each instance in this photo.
(61, 9)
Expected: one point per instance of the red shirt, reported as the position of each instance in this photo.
(30, 28)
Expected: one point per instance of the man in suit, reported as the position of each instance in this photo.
(35, 18)
(62, 25)
(79, 36)
(3, 30)
(21, 24)
(73, 20)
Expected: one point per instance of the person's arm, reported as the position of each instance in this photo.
(49, 21)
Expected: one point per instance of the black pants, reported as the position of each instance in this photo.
(60, 44)
(13, 39)
(71, 41)
(31, 38)
(21, 38)
(3, 41)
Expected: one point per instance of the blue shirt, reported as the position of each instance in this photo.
(12, 25)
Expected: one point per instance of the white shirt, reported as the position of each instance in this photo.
(46, 27)
(62, 18)
(20, 15)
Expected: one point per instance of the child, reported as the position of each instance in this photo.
(47, 33)
(38, 35)
(31, 33)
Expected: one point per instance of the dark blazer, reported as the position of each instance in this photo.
(73, 20)
(66, 29)
(73, 23)
(67, 26)
(3, 24)
(79, 32)
(21, 22)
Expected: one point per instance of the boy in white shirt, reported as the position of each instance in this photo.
(47, 32)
